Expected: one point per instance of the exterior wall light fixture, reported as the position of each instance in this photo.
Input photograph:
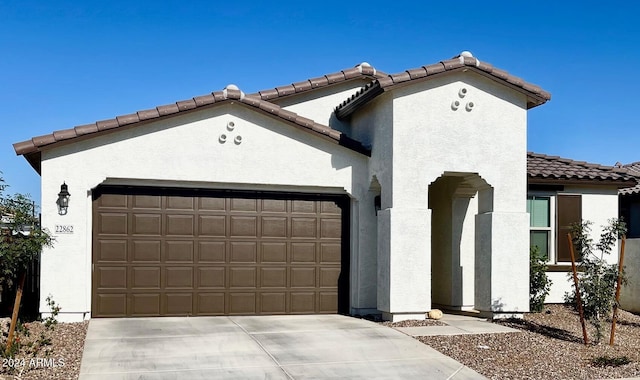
(63, 199)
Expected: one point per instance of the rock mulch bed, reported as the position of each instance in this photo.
(44, 353)
(548, 346)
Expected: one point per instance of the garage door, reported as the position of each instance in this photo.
(168, 252)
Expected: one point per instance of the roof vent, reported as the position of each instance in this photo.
(232, 88)
(365, 64)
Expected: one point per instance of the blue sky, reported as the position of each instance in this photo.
(68, 63)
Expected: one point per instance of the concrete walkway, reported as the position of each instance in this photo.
(264, 347)
(457, 325)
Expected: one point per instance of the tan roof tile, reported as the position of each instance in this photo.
(185, 105)
(204, 100)
(86, 129)
(286, 90)
(435, 68)
(24, 147)
(542, 168)
(401, 77)
(168, 109)
(268, 94)
(335, 77)
(536, 95)
(634, 170)
(148, 114)
(353, 72)
(301, 86)
(64, 134)
(362, 70)
(319, 82)
(32, 148)
(104, 125)
(420, 72)
(128, 119)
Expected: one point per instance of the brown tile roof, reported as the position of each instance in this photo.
(633, 169)
(31, 148)
(361, 71)
(553, 169)
(535, 95)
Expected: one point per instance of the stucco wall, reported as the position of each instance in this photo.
(318, 105)
(484, 134)
(630, 295)
(599, 205)
(489, 140)
(429, 139)
(373, 125)
(186, 151)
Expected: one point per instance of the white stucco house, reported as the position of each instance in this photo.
(630, 212)
(562, 191)
(355, 192)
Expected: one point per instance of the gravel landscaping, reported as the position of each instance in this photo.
(548, 346)
(45, 353)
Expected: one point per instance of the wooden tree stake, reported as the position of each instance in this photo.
(578, 298)
(614, 318)
(16, 309)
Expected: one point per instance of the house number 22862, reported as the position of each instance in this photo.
(64, 229)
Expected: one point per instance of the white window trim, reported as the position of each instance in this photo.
(553, 232)
(553, 212)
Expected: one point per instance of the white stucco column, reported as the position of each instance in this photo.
(404, 263)
(463, 210)
(630, 296)
(364, 232)
(502, 269)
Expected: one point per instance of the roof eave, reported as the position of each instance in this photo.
(273, 95)
(533, 99)
(620, 184)
(367, 95)
(35, 160)
(629, 191)
(350, 106)
(31, 149)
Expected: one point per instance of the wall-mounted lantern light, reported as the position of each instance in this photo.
(63, 199)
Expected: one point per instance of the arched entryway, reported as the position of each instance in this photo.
(455, 198)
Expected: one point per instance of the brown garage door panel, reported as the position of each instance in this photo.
(170, 252)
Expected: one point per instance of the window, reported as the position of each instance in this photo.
(550, 219)
(569, 210)
(540, 223)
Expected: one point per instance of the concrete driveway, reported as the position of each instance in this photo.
(265, 347)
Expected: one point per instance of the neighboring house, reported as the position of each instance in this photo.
(562, 192)
(630, 201)
(29, 305)
(355, 192)
(630, 211)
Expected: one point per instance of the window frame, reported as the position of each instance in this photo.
(552, 238)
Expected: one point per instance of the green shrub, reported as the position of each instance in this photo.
(539, 282)
(597, 278)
